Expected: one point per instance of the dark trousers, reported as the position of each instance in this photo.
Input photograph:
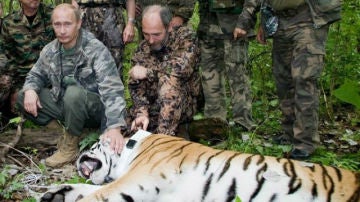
(77, 109)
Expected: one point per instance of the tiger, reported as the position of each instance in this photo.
(163, 168)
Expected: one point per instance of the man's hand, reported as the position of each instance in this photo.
(141, 122)
(138, 72)
(239, 33)
(260, 36)
(129, 32)
(115, 138)
(31, 102)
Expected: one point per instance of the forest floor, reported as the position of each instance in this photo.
(341, 137)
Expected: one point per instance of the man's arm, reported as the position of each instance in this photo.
(183, 9)
(111, 92)
(247, 18)
(129, 31)
(185, 58)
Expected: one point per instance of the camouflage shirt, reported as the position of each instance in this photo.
(100, 2)
(94, 69)
(224, 21)
(181, 8)
(177, 62)
(22, 42)
(322, 12)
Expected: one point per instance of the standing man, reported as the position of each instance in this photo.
(23, 34)
(223, 57)
(180, 9)
(164, 79)
(75, 81)
(298, 60)
(105, 19)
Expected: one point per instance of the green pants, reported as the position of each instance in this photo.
(77, 109)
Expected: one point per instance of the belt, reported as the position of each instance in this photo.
(291, 12)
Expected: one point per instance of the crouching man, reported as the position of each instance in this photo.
(75, 80)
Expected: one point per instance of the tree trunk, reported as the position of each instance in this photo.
(40, 139)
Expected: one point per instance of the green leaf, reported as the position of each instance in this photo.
(15, 120)
(349, 92)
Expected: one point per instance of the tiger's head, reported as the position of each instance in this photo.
(98, 163)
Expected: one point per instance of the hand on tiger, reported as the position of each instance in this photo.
(31, 102)
(115, 138)
(239, 33)
(141, 122)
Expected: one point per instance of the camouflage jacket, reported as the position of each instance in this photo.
(181, 8)
(95, 70)
(177, 62)
(219, 17)
(100, 2)
(22, 42)
(322, 12)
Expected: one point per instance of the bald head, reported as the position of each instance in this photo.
(157, 12)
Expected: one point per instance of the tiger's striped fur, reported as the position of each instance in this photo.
(167, 168)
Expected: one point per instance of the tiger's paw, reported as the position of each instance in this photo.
(59, 194)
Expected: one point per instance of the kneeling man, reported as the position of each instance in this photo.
(75, 81)
(164, 80)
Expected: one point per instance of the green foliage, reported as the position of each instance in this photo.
(237, 199)
(76, 180)
(89, 140)
(8, 184)
(349, 92)
(347, 161)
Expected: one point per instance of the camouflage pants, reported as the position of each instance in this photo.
(298, 60)
(215, 55)
(170, 104)
(77, 110)
(107, 24)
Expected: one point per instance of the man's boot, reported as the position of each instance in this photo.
(68, 150)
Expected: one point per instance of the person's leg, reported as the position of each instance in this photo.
(81, 108)
(50, 110)
(107, 24)
(282, 56)
(213, 82)
(307, 65)
(239, 82)
(171, 99)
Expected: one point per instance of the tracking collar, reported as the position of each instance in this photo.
(127, 154)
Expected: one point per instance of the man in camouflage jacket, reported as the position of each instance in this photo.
(23, 34)
(298, 60)
(223, 57)
(85, 87)
(164, 79)
(105, 19)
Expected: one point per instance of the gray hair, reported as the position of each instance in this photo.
(164, 12)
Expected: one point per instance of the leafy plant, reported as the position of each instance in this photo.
(8, 184)
(89, 140)
(349, 92)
